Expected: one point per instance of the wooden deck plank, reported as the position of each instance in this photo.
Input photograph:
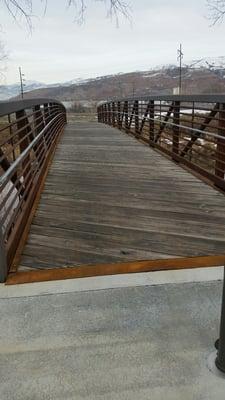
(109, 199)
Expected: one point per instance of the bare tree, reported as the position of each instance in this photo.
(3, 58)
(24, 9)
(216, 10)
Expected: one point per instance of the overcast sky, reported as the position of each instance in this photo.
(59, 50)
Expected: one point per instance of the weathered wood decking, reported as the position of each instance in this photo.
(110, 199)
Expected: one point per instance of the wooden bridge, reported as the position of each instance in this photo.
(85, 199)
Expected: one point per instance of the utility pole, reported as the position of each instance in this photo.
(180, 56)
(21, 82)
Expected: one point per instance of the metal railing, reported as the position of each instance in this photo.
(28, 134)
(189, 129)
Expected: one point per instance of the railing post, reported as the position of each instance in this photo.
(98, 114)
(119, 114)
(151, 122)
(113, 114)
(109, 114)
(101, 113)
(24, 129)
(220, 149)
(136, 115)
(51, 110)
(39, 125)
(176, 129)
(3, 259)
(46, 113)
(38, 119)
(105, 113)
(220, 360)
(126, 116)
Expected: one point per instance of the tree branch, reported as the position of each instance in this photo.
(216, 10)
(3, 58)
(22, 9)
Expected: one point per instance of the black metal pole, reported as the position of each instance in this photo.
(3, 260)
(220, 359)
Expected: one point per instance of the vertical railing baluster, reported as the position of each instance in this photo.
(102, 113)
(151, 122)
(126, 116)
(105, 113)
(119, 114)
(23, 134)
(136, 116)
(39, 125)
(220, 148)
(109, 113)
(46, 113)
(176, 129)
(113, 114)
(99, 113)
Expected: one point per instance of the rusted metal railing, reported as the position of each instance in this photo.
(28, 134)
(189, 129)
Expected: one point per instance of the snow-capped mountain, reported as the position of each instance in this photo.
(8, 91)
(13, 90)
(212, 63)
(203, 75)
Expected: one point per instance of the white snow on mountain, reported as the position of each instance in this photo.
(213, 63)
(210, 63)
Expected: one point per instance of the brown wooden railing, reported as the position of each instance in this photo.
(189, 129)
(28, 134)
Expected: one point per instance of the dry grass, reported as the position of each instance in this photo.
(82, 117)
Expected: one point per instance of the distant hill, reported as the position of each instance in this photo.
(202, 76)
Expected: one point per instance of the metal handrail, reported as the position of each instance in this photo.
(28, 136)
(203, 133)
(12, 106)
(200, 98)
(174, 125)
(5, 177)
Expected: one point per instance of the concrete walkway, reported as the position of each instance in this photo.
(147, 342)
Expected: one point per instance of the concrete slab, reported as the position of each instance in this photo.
(112, 282)
(148, 342)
